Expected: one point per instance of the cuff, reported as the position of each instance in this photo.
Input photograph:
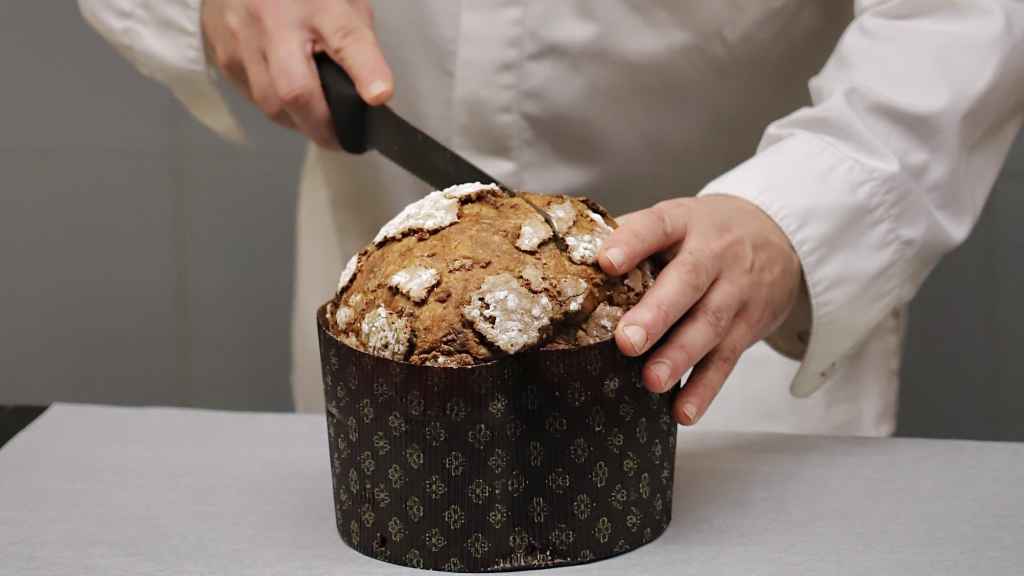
(837, 215)
(164, 40)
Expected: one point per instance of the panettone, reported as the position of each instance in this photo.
(471, 273)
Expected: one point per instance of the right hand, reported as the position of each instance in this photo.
(265, 48)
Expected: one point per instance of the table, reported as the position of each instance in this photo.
(14, 418)
(89, 490)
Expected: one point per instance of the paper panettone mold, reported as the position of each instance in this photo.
(540, 459)
(480, 415)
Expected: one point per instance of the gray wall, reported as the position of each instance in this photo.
(144, 261)
(962, 376)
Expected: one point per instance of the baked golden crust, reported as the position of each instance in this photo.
(487, 282)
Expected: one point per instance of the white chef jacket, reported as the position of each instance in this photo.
(873, 174)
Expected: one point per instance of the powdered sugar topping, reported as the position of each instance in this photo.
(583, 248)
(601, 324)
(469, 190)
(435, 211)
(562, 215)
(415, 282)
(432, 212)
(599, 220)
(572, 291)
(534, 278)
(534, 232)
(348, 272)
(385, 333)
(507, 314)
(343, 316)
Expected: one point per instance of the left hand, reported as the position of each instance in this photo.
(731, 275)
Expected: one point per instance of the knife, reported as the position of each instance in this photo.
(360, 127)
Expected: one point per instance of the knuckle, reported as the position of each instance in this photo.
(298, 96)
(270, 105)
(737, 249)
(254, 9)
(226, 60)
(234, 23)
(716, 318)
(345, 36)
(678, 355)
(745, 328)
(663, 316)
(665, 220)
(656, 317)
(726, 357)
(694, 274)
(366, 8)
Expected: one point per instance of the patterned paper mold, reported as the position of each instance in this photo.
(539, 459)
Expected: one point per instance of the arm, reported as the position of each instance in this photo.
(264, 47)
(163, 40)
(888, 170)
(912, 119)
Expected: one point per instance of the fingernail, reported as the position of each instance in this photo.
(637, 337)
(376, 89)
(616, 256)
(691, 412)
(661, 371)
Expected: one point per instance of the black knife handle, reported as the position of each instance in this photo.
(348, 110)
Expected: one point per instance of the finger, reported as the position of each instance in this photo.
(232, 68)
(624, 219)
(364, 9)
(677, 288)
(708, 376)
(643, 233)
(262, 90)
(290, 61)
(350, 41)
(703, 328)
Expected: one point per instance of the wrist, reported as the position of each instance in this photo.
(794, 333)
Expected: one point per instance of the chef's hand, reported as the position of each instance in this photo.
(731, 275)
(266, 47)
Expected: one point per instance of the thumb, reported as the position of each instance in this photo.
(348, 40)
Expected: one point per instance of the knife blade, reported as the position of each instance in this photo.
(361, 127)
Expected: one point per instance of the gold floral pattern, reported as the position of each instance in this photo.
(396, 422)
(498, 516)
(538, 509)
(568, 461)
(396, 476)
(414, 455)
(479, 491)
(477, 545)
(434, 540)
(603, 529)
(498, 460)
(454, 516)
(396, 529)
(479, 436)
(436, 487)
(536, 453)
(381, 444)
(582, 506)
(455, 462)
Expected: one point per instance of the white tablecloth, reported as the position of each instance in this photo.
(90, 490)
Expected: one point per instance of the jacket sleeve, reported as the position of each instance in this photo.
(889, 168)
(164, 40)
